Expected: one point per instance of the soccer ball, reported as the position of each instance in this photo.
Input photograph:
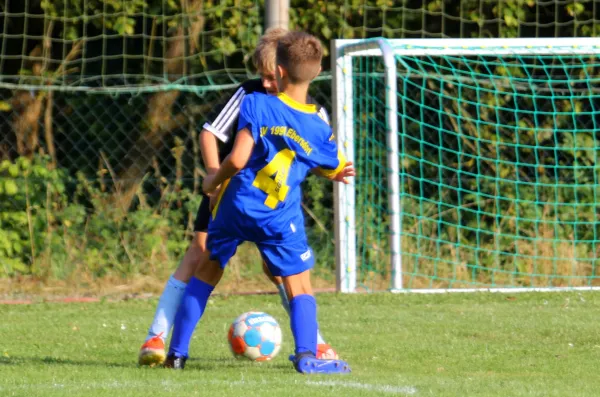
(255, 336)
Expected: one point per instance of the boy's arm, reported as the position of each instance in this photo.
(343, 170)
(337, 175)
(209, 149)
(242, 147)
(332, 163)
(233, 163)
(347, 170)
(219, 128)
(338, 172)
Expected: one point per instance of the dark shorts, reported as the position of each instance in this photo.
(203, 216)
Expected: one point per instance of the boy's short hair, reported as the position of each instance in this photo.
(300, 54)
(264, 55)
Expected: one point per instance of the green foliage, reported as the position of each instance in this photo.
(231, 28)
(28, 191)
(228, 31)
(241, 29)
(115, 14)
(56, 221)
(52, 225)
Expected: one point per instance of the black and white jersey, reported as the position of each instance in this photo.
(223, 120)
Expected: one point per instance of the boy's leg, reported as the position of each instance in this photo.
(173, 292)
(303, 312)
(303, 320)
(152, 351)
(324, 350)
(192, 308)
(207, 276)
(292, 259)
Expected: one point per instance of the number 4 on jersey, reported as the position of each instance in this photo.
(273, 177)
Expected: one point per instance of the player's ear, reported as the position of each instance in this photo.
(281, 72)
(318, 72)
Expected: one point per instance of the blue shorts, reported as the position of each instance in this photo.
(283, 257)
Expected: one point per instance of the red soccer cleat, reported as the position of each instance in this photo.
(325, 352)
(152, 352)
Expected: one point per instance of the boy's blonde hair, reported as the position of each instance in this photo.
(264, 55)
(300, 54)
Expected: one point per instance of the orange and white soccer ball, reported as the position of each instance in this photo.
(255, 336)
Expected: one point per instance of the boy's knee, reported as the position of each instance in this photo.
(274, 279)
(198, 242)
(209, 270)
(191, 258)
(195, 251)
(298, 284)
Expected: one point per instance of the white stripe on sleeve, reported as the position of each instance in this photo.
(324, 115)
(219, 127)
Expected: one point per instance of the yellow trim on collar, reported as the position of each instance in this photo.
(296, 105)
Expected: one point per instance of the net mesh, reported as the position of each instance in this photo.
(499, 176)
(127, 43)
(101, 99)
(134, 43)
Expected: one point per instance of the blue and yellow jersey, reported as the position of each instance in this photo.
(262, 201)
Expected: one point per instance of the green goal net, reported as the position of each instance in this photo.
(496, 164)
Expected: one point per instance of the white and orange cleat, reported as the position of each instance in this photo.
(326, 352)
(152, 352)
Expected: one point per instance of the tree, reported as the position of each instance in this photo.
(164, 34)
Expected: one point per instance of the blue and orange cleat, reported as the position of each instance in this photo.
(326, 352)
(152, 351)
(307, 363)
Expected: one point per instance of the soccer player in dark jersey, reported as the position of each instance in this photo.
(280, 140)
(220, 130)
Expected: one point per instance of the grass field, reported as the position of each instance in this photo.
(445, 345)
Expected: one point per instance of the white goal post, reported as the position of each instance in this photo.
(345, 53)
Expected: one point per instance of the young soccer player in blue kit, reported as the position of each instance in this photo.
(280, 140)
(221, 126)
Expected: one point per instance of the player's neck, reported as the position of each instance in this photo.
(297, 92)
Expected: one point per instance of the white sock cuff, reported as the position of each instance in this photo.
(176, 283)
(281, 289)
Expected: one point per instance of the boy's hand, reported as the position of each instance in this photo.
(347, 172)
(208, 185)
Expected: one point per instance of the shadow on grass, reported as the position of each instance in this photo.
(194, 364)
(209, 364)
(48, 360)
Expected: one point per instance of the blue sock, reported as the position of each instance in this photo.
(286, 305)
(167, 308)
(189, 313)
(303, 318)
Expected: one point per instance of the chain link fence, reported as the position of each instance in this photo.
(98, 183)
(100, 173)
